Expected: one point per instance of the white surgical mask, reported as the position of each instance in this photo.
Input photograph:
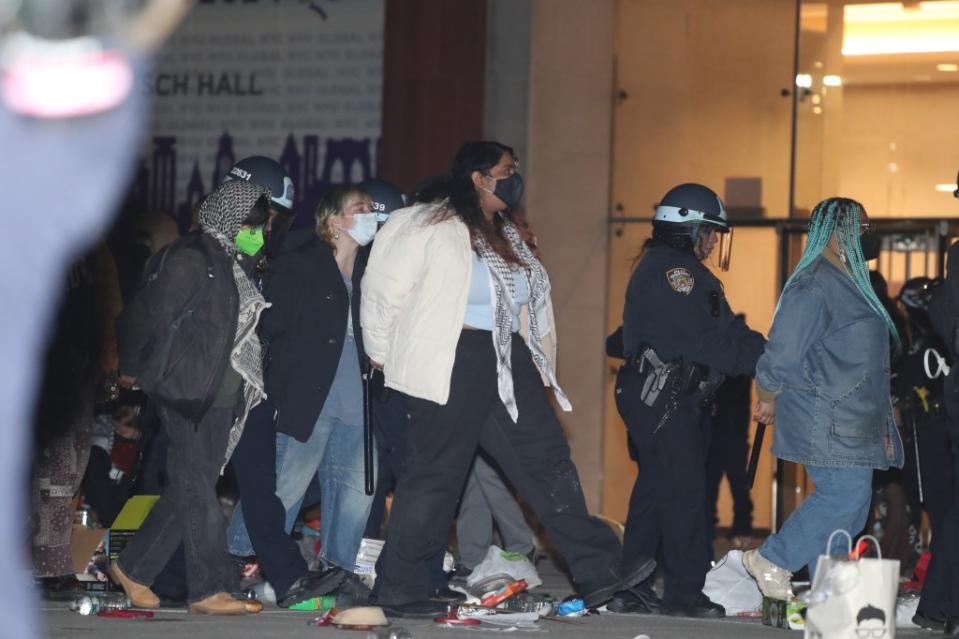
(364, 228)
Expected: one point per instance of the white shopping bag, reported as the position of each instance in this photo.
(852, 598)
(729, 585)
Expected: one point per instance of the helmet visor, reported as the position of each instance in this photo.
(725, 249)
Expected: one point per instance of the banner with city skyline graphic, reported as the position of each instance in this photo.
(299, 81)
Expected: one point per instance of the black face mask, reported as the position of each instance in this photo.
(510, 190)
(281, 223)
(870, 244)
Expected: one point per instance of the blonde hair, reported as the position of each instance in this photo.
(332, 204)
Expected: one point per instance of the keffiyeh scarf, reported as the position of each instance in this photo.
(221, 217)
(503, 295)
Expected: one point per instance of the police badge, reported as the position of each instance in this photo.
(681, 280)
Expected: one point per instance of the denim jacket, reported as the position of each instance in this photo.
(827, 361)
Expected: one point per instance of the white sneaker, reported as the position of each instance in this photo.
(773, 581)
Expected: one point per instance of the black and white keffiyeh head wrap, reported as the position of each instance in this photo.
(503, 295)
(221, 217)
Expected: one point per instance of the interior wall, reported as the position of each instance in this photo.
(567, 172)
(434, 60)
(898, 142)
(695, 105)
(506, 103)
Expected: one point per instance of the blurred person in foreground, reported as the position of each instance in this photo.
(59, 125)
(824, 380)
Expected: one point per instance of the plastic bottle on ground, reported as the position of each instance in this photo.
(390, 633)
(93, 603)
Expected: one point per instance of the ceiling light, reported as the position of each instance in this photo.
(946, 188)
(947, 67)
(832, 80)
(817, 110)
(816, 98)
(889, 27)
(804, 80)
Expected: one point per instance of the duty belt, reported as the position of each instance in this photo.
(679, 375)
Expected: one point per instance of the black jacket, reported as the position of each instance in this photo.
(305, 328)
(201, 350)
(675, 304)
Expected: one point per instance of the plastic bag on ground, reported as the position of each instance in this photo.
(498, 562)
(729, 585)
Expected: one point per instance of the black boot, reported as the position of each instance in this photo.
(416, 609)
(640, 600)
(951, 627)
(598, 591)
(312, 584)
(928, 622)
(448, 595)
(700, 608)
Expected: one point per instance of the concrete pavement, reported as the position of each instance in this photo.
(276, 623)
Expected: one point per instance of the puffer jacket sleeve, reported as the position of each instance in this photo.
(799, 323)
(394, 270)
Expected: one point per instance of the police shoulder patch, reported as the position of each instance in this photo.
(681, 280)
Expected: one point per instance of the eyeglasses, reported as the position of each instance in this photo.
(864, 633)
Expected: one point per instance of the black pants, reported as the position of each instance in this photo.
(533, 453)
(391, 426)
(940, 593)
(254, 464)
(937, 467)
(188, 510)
(727, 454)
(667, 508)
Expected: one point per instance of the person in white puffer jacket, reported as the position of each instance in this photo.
(445, 288)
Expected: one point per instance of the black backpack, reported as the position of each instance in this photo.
(155, 366)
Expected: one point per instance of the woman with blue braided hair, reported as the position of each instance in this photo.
(824, 378)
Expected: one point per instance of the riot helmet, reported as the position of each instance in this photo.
(915, 296)
(687, 210)
(386, 196)
(916, 291)
(269, 174)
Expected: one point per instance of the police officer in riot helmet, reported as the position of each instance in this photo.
(938, 607)
(386, 196)
(680, 339)
(269, 174)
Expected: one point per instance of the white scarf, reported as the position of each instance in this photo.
(504, 294)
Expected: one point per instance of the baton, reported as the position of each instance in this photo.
(915, 446)
(367, 433)
(754, 453)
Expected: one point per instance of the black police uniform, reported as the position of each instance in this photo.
(940, 594)
(924, 430)
(677, 307)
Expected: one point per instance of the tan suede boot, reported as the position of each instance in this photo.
(221, 603)
(140, 596)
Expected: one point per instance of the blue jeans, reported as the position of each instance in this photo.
(335, 450)
(841, 501)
